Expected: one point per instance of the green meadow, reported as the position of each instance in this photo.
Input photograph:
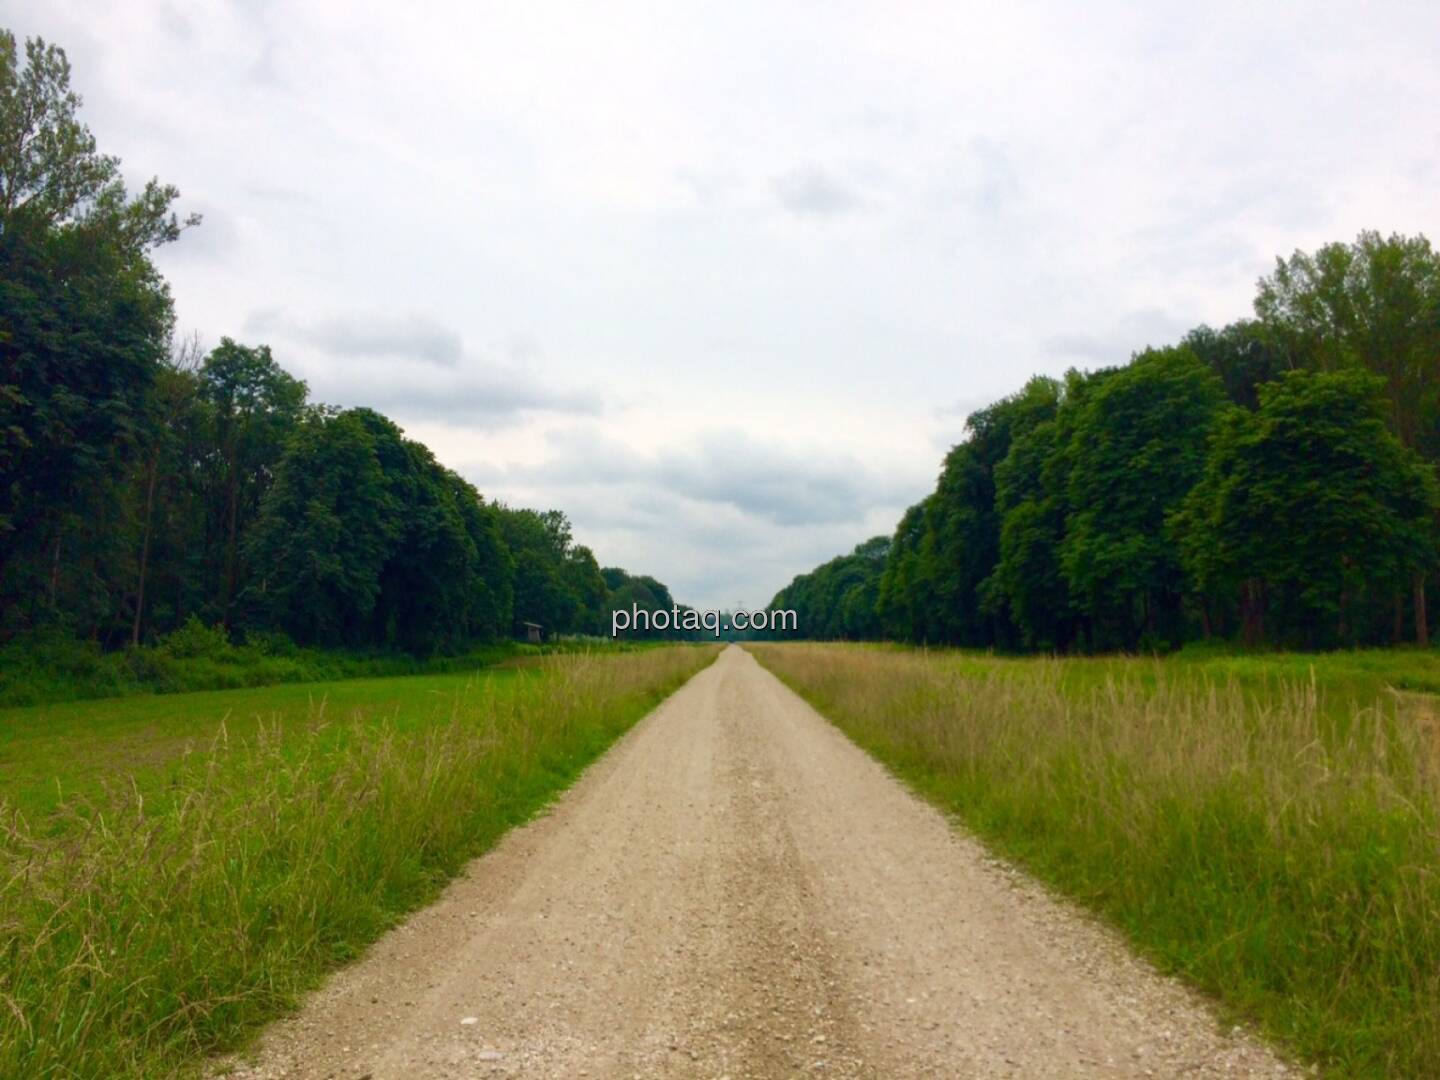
(85, 748)
(177, 869)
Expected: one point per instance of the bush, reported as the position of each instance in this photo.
(271, 643)
(195, 639)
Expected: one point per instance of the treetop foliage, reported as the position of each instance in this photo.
(51, 174)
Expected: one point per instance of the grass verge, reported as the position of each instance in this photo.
(1274, 840)
(161, 920)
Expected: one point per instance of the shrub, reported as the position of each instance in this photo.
(195, 639)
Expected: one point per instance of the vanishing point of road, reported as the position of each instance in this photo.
(735, 890)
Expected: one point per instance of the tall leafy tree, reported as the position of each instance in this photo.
(641, 592)
(964, 544)
(366, 540)
(172, 407)
(1372, 304)
(1308, 506)
(84, 325)
(583, 578)
(253, 406)
(539, 542)
(1137, 447)
(903, 601)
(629, 594)
(1027, 580)
(329, 524)
(1243, 354)
(488, 586)
(839, 599)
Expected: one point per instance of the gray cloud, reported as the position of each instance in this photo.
(415, 368)
(813, 192)
(406, 337)
(718, 469)
(1115, 344)
(481, 399)
(786, 489)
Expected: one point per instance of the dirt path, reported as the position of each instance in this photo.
(736, 890)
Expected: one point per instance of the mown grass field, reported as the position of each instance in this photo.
(175, 870)
(1267, 827)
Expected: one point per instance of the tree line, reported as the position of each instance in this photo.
(145, 481)
(1272, 482)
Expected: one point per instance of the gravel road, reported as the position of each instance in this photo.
(736, 890)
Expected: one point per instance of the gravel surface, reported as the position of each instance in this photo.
(737, 890)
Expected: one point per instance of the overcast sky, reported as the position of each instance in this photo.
(722, 281)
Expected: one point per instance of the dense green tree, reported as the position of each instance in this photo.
(859, 601)
(959, 553)
(1137, 447)
(1243, 355)
(160, 481)
(903, 603)
(365, 540)
(1308, 507)
(1027, 582)
(839, 599)
(539, 542)
(84, 326)
(444, 581)
(489, 585)
(641, 593)
(329, 525)
(657, 589)
(632, 595)
(52, 175)
(253, 406)
(584, 580)
(1373, 304)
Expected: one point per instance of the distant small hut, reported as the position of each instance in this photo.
(533, 633)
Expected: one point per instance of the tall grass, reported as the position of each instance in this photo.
(1275, 849)
(137, 934)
